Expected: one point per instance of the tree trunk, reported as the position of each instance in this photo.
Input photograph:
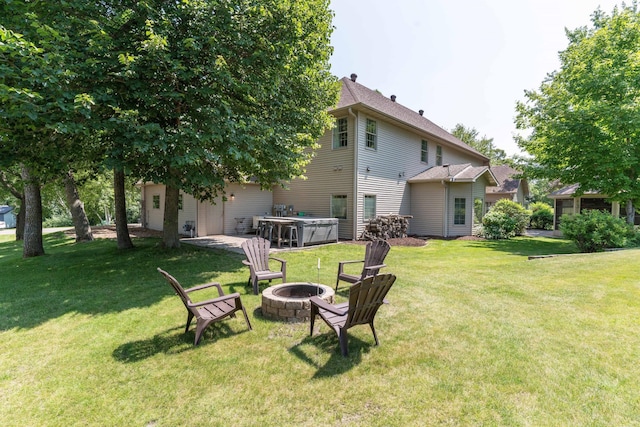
(170, 236)
(20, 219)
(33, 216)
(631, 212)
(78, 215)
(122, 228)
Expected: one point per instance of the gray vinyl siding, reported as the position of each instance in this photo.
(396, 158)
(427, 209)
(329, 173)
(249, 200)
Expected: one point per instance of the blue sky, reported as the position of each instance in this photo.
(464, 61)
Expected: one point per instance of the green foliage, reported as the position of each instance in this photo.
(595, 231)
(585, 118)
(513, 219)
(498, 225)
(484, 145)
(541, 216)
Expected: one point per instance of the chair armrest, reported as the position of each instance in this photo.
(280, 260)
(350, 262)
(205, 286)
(375, 267)
(214, 300)
(326, 306)
(246, 262)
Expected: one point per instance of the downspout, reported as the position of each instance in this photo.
(445, 221)
(355, 174)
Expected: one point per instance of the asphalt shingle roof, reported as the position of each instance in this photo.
(506, 184)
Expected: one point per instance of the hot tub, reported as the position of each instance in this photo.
(313, 231)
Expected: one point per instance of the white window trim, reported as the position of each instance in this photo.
(335, 136)
(367, 133)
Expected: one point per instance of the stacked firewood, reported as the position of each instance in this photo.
(386, 227)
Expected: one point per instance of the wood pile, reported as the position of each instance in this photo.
(386, 227)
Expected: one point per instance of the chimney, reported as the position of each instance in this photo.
(393, 98)
(421, 112)
(354, 76)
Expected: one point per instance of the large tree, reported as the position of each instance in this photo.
(585, 117)
(210, 92)
(41, 114)
(483, 144)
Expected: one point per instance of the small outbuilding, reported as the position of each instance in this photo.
(7, 217)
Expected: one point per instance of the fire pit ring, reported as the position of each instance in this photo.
(290, 301)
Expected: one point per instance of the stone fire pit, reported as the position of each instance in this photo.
(290, 301)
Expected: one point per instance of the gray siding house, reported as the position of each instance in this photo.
(383, 158)
(380, 158)
(7, 217)
(565, 201)
(509, 186)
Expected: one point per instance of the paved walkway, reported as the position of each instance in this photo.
(218, 241)
(231, 243)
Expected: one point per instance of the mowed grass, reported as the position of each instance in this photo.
(475, 334)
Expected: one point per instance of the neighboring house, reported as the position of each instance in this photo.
(7, 217)
(509, 186)
(380, 158)
(566, 202)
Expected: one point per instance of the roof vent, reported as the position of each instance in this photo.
(393, 98)
(421, 112)
(354, 76)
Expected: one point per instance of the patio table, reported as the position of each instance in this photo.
(278, 224)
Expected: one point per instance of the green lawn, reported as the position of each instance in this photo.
(475, 334)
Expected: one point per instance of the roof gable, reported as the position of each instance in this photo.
(506, 183)
(354, 94)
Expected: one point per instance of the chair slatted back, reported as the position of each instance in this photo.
(366, 297)
(375, 253)
(256, 250)
(177, 287)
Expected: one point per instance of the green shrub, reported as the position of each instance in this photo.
(541, 216)
(514, 211)
(498, 225)
(595, 231)
(58, 220)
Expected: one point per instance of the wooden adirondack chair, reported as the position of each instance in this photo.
(257, 252)
(209, 311)
(374, 256)
(364, 300)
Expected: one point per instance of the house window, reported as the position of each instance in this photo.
(424, 152)
(156, 201)
(339, 206)
(438, 155)
(372, 134)
(340, 133)
(180, 200)
(459, 211)
(369, 207)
